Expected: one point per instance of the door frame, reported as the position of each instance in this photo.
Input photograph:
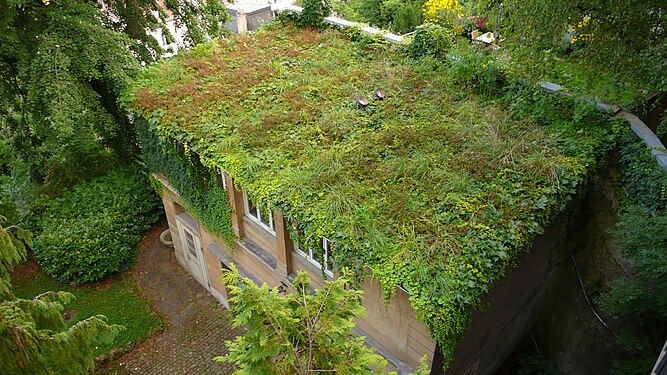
(197, 267)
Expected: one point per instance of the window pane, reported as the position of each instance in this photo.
(328, 261)
(222, 184)
(252, 210)
(266, 218)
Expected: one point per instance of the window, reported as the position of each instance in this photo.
(222, 182)
(322, 253)
(262, 217)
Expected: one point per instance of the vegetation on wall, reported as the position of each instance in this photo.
(438, 187)
(640, 299)
(93, 230)
(198, 186)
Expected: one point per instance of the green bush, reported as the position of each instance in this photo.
(313, 13)
(92, 231)
(644, 179)
(431, 40)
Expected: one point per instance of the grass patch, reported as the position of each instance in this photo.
(115, 297)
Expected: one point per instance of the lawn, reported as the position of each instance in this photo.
(115, 297)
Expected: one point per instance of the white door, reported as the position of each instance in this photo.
(192, 246)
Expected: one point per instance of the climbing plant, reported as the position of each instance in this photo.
(198, 186)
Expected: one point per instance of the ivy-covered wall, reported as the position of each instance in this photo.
(198, 186)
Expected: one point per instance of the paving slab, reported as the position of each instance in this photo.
(198, 323)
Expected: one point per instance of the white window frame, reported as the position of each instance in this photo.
(257, 216)
(311, 257)
(223, 174)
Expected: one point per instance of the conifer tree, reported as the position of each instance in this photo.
(33, 336)
(305, 332)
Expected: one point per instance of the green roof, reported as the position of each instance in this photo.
(435, 188)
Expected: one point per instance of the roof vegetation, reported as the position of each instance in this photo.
(438, 187)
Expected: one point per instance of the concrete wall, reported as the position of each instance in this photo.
(511, 307)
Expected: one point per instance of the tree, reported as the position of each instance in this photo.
(63, 65)
(33, 336)
(300, 333)
(628, 38)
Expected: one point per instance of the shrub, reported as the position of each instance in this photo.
(91, 231)
(431, 40)
(313, 13)
(644, 179)
(477, 72)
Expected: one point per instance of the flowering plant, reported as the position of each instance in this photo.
(446, 13)
(480, 22)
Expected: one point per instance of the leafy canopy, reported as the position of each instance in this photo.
(627, 38)
(62, 66)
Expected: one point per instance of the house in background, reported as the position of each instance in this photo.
(247, 15)
(271, 160)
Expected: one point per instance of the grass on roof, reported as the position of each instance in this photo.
(435, 188)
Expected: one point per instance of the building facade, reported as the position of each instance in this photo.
(264, 251)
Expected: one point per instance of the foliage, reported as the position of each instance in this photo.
(431, 40)
(92, 231)
(536, 365)
(59, 66)
(629, 40)
(478, 72)
(33, 336)
(196, 185)
(446, 13)
(436, 187)
(396, 15)
(118, 299)
(64, 63)
(641, 299)
(313, 13)
(640, 235)
(645, 180)
(297, 333)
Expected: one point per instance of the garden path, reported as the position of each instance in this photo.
(198, 324)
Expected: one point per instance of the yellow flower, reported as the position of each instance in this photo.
(433, 9)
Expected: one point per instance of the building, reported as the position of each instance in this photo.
(277, 151)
